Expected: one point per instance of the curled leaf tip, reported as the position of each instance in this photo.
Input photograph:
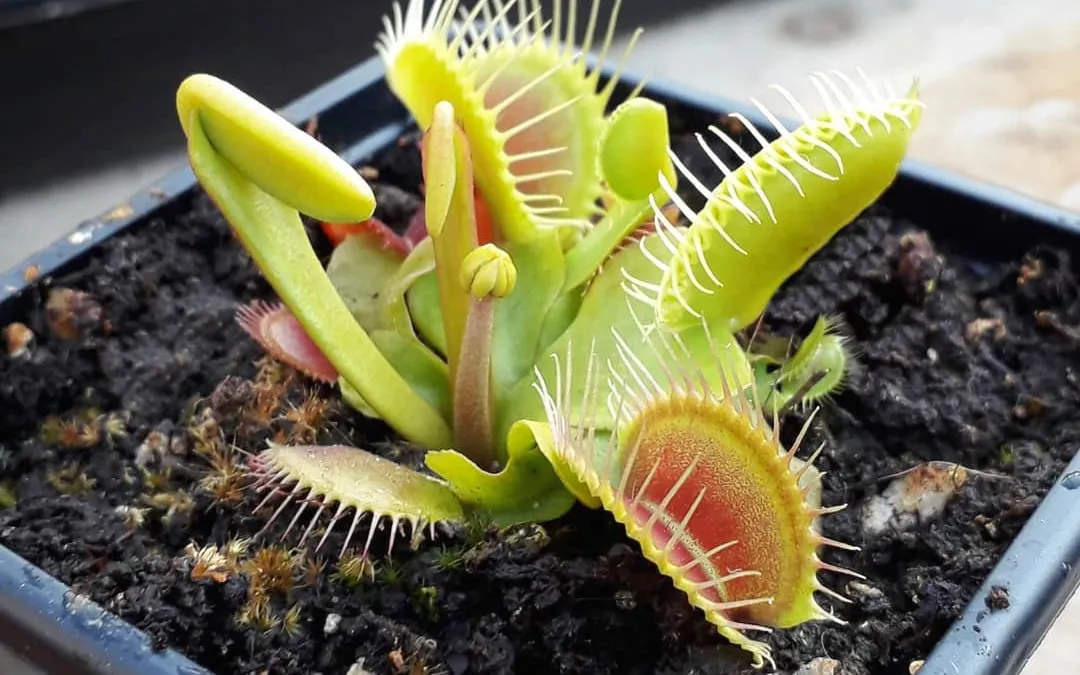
(278, 332)
(821, 365)
(440, 166)
(281, 159)
(634, 149)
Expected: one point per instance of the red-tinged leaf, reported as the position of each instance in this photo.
(417, 228)
(275, 328)
(698, 476)
(373, 227)
(485, 228)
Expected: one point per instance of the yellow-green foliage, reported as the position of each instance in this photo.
(534, 193)
(768, 216)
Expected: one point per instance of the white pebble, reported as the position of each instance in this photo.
(332, 623)
(914, 497)
(819, 666)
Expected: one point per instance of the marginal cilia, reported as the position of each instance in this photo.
(699, 478)
(529, 104)
(673, 426)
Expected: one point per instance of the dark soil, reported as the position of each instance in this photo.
(959, 361)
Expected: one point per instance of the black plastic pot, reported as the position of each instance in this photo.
(19, 12)
(48, 626)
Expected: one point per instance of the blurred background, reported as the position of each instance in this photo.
(87, 116)
(87, 86)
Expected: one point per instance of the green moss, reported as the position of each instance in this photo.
(7, 497)
(449, 557)
(1006, 456)
(392, 574)
(427, 598)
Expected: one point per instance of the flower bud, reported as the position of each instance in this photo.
(488, 271)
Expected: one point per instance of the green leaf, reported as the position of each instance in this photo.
(418, 267)
(532, 109)
(526, 432)
(560, 316)
(425, 372)
(451, 220)
(620, 221)
(520, 317)
(353, 478)
(526, 490)
(634, 149)
(368, 276)
(359, 269)
(426, 311)
(273, 234)
(816, 370)
(605, 309)
(283, 161)
(768, 217)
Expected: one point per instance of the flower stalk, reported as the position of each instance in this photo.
(487, 274)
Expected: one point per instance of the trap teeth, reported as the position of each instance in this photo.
(279, 333)
(698, 476)
(337, 479)
(531, 107)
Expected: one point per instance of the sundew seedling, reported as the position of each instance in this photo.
(553, 259)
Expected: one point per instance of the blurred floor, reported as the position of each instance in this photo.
(10, 666)
(1001, 81)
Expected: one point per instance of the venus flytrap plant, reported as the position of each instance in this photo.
(546, 220)
(406, 307)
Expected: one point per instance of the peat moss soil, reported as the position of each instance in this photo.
(960, 361)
